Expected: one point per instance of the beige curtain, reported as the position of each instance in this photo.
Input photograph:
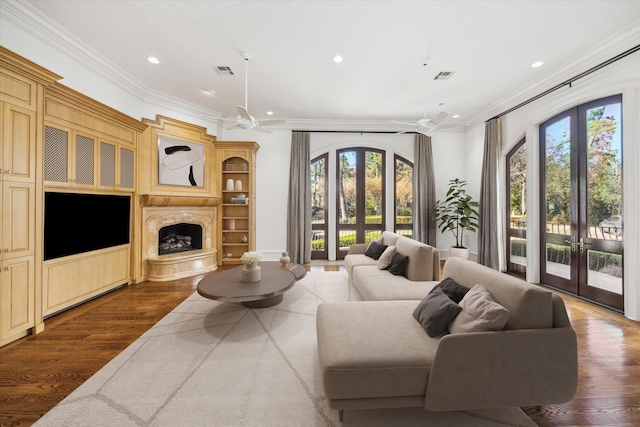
(424, 191)
(488, 240)
(299, 206)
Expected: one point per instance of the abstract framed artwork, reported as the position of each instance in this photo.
(180, 162)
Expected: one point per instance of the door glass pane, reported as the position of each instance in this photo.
(318, 214)
(347, 187)
(605, 271)
(404, 197)
(373, 188)
(559, 260)
(346, 238)
(518, 184)
(558, 177)
(604, 172)
(518, 251)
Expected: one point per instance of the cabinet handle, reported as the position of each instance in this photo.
(7, 171)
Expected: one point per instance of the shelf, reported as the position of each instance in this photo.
(229, 172)
(235, 231)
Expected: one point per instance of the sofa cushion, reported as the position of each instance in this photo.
(530, 306)
(374, 250)
(435, 312)
(421, 258)
(398, 265)
(372, 349)
(380, 285)
(480, 313)
(354, 260)
(386, 257)
(389, 238)
(453, 289)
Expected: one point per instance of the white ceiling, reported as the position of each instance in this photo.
(490, 45)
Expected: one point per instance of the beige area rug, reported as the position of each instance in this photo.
(209, 363)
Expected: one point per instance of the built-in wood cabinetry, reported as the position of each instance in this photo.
(238, 175)
(88, 148)
(84, 148)
(22, 86)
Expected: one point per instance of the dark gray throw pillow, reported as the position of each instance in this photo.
(375, 250)
(398, 264)
(435, 312)
(453, 289)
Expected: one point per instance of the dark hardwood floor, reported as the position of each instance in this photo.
(38, 371)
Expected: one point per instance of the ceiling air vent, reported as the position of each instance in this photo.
(443, 75)
(223, 70)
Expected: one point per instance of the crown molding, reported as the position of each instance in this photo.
(617, 43)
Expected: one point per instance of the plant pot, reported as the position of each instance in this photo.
(459, 252)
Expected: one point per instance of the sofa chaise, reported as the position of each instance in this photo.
(375, 354)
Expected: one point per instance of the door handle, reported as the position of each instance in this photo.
(582, 245)
(572, 242)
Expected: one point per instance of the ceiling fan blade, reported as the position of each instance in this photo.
(244, 113)
(439, 118)
(426, 132)
(230, 126)
(263, 130)
(270, 122)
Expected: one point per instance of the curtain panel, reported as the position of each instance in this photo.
(424, 191)
(488, 241)
(299, 205)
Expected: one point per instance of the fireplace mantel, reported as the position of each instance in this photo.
(160, 211)
(155, 200)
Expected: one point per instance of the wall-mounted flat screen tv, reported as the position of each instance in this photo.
(75, 223)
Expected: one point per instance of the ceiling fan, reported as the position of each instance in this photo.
(244, 119)
(425, 126)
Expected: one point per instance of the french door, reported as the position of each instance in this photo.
(581, 201)
(360, 208)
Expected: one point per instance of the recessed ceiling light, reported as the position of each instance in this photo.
(210, 92)
(537, 64)
(455, 116)
(338, 59)
(269, 113)
(153, 60)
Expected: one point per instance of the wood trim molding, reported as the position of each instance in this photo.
(152, 200)
(16, 63)
(63, 95)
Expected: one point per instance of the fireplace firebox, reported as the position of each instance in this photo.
(180, 237)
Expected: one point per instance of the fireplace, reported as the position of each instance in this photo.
(181, 237)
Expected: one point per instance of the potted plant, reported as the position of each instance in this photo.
(458, 212)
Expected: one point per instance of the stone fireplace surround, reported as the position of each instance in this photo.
(160, 211)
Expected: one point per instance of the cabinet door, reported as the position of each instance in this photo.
(127, 168)
(18, 219)
(84, 161)
(18, 144)
(16, 296)
(107, 164)
(56, 155)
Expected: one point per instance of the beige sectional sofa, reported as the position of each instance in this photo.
(375, 354)
(373, 284)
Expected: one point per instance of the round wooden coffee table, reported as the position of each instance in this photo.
(276, 280)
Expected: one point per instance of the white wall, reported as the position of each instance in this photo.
(621, 77)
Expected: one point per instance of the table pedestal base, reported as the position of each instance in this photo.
(264, 303)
